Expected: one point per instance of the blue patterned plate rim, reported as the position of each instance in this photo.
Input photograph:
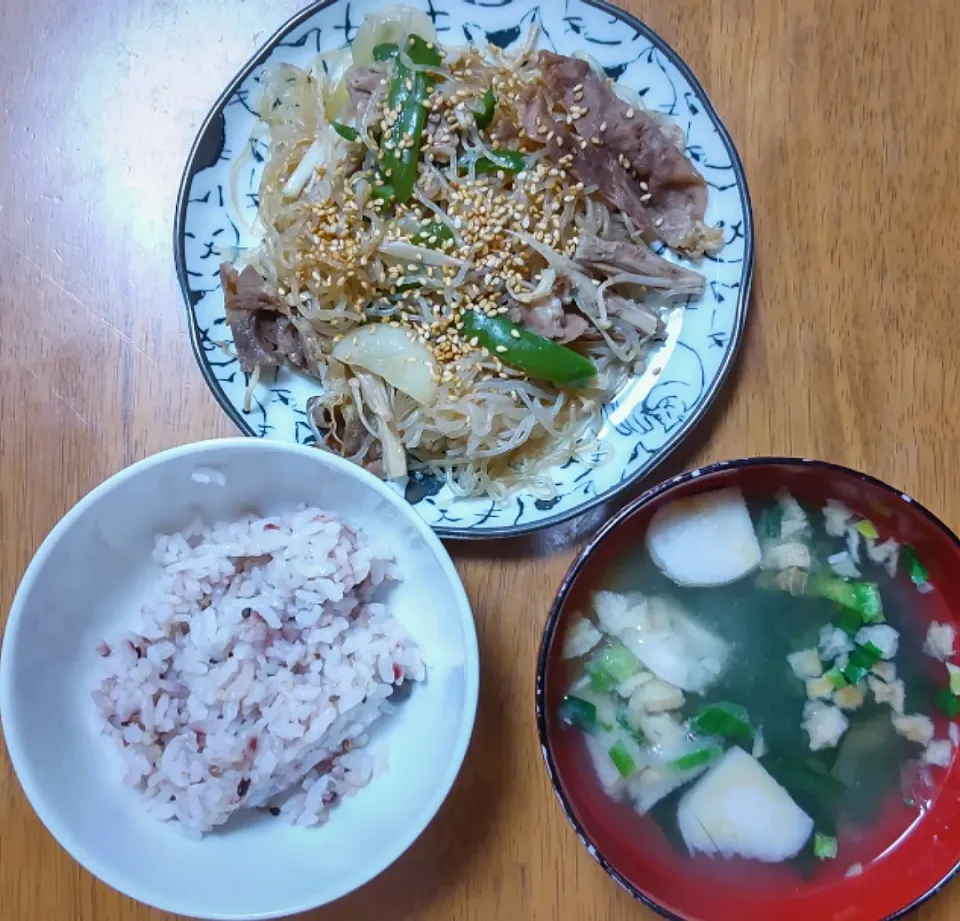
(206, 150)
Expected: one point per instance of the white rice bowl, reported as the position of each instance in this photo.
(86, 586)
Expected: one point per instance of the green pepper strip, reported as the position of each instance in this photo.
(432, 234)
(622, 759)
(385, 52)
(526, 351)
(723, 719)
(384, 191)
(915, 569)
(501, 161)
(345, 131)
(484, 114)
(408, 93)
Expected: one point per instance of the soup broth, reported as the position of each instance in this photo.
(811, 663)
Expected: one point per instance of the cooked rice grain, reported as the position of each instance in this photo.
(262, 658)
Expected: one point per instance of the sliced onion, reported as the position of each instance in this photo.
(391, 24)
(395, 356)
(305, 169)
(329, 69)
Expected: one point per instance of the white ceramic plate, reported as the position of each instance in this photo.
(85, 583)
(651, 413)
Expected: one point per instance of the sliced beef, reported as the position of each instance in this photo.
(361, 83)
(549, 320)
(503, 129)
(440, 136)
(363, 80)
(262, 333)
(637, 162)
(614, 256)
(340, 431)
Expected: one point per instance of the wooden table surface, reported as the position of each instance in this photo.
(847, 116)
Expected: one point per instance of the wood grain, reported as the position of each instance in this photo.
(846, 115)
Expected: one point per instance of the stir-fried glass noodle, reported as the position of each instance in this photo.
(456, 244)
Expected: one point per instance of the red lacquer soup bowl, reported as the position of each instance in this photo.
(910, 853)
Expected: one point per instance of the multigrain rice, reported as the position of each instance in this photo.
(263, 656)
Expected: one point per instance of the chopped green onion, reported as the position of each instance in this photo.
(610, 666)
(948, 702)
(824, 847)
(861, 661)
(835, 677)
(574, 711)
(622, 759)
(695, 759)
(868, 602)
(867, 529)
(848, 620)
(954, 671)
(345, 131)
(855, 673)
(915, 569)
(723, 719)
(484, 114)
(600, 680)
(619, 662)
(863, 597)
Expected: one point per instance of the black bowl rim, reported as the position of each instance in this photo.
(208, 145)
(651, 495)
